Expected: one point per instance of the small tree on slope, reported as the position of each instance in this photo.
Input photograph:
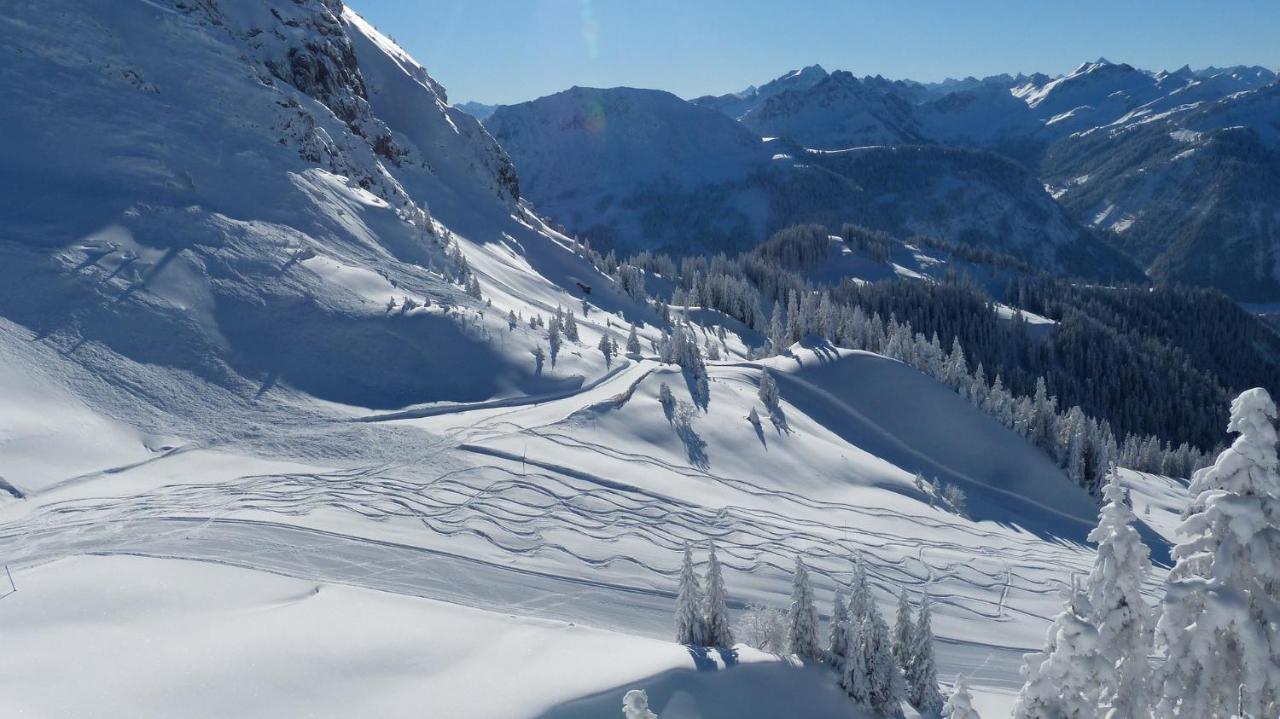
(1120, 614)
(859, 594)
(635, 705)
(1221, 615)
(921, 672)
(838, 646)
(716, 611)
(802, 618)
(691, 627)
(903, 631)
(1061, 681)
(960, 703)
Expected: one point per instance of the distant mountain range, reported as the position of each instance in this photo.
(1177, 170)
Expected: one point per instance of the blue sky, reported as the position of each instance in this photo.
(503, 51)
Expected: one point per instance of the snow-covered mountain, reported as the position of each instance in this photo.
(838, 111)
(1189, 190)
(642, 169)
(305, 412)
(738, 104)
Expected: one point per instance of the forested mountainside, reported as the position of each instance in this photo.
(1173, 168)
(633, 170)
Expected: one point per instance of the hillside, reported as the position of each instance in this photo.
(634, 170)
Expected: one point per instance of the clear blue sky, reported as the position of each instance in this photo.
(503, 51)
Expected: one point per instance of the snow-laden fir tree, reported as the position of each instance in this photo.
(903, 631)
(855, 677)
(538, 358)
(838, 636)
(1121, 615)
(1221, 614)
(553, 340)
(802, 617)
(768, 391)
(570, 327)
(882, 671)
(691, 626)
(1061, 682)
(960, 702)
(633, 341)
(921, 670)
(859, 593)
(635, 705)
(716, 610)
(606, 348)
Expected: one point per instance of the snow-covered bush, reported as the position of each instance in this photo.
(764, 628)
(635, 705)
(960, 703)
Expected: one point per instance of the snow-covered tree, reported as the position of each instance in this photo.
(960, 703)
(553, 340)
(768, 391)
(606, 348)
(921, 671)
(538, 358)
(882, 671)
(1221, 614)
(1061, 682)
(904, 630)
(635, 705)
(691, 625)
(838, 636)
(802, 618)
(633, 341)
(859, 593)
(764, 628)
(570, 327)
(1121, 615)
(716, 610)
(512, 321)
(855, 676)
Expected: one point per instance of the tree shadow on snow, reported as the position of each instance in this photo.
(741, 690)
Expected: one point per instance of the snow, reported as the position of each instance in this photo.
(195, 639)
(240, 487)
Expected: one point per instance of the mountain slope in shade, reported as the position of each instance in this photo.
(837, 112)
(633, 170)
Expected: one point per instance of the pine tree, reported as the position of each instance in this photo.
(716, 610)
(633, 341)
(802, 618)
(553, 340)
(855, 678)
(1222, 601)
(922, 673)
(838, 641)
(606, 348)
(768, 391)
(903, 630)
(960, 703)
(691, 626)
(1121, 615)
(860, 600)
(1061, 682)
(883, 674)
